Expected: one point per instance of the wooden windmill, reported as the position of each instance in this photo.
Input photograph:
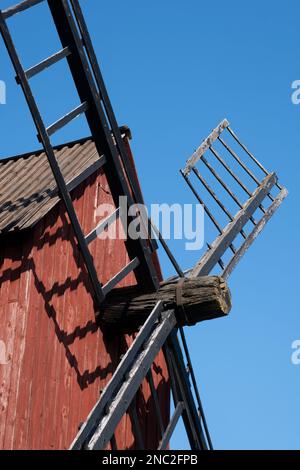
(158, 309)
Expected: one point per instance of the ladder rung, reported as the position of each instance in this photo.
(121, 274)
(136, 425)
(82, 108)
(22, 6)
(103, 225)
(220, 245)
(53, 59)
(156, 402)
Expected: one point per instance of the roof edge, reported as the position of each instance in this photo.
(41, 150)
(125, 131)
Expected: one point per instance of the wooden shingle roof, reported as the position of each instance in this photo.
(27, 186)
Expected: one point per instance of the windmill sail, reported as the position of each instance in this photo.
(245, 186)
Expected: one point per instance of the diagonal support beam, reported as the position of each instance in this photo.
(115, 383)
(210, 259)
(81, 69)
(129, 388)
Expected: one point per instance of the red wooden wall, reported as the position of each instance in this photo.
(58, 360)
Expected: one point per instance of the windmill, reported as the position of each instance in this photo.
(164, 320)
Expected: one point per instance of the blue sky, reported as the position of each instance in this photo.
(174, 69)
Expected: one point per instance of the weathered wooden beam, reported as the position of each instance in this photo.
(206, 144)
(194, 300)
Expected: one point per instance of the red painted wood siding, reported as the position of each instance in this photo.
(58, 360)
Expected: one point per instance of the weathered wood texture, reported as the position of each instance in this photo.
(57, 358)
(202, 299)
(222, 242)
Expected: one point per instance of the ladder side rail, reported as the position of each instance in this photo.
(133, 380)
(63, 191)
(190, 414)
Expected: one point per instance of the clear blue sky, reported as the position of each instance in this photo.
(174, 69)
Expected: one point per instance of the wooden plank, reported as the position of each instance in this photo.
(10, 369)
(206, 144)
(85, 348)
(15, 357)
(50, 355)
(67, 118)
(37, 337)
